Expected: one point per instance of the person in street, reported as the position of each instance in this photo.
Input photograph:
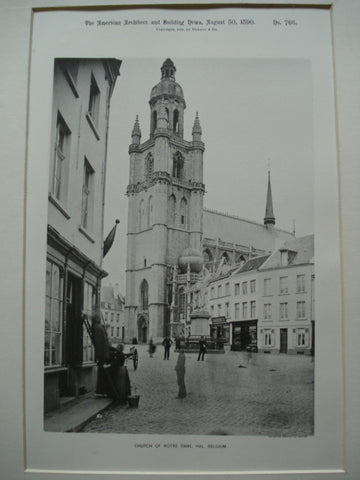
(180, 373)
(202, 348)
(119, 376)
(177, 343)
(167, 342)
(102, 352)
(152, 348)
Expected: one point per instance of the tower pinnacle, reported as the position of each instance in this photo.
(136, 132)
(269, 219)
(196, 130)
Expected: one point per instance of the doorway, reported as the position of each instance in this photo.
(283, 340)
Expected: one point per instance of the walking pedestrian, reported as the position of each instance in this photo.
(167, 342)
(180, 374)
(152, 348)
(120, 376)
(202, 348)
(177, 343)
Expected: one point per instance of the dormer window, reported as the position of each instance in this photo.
(284, 258)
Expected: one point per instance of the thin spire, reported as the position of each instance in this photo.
(197, 127)
(136, 130)
(269, 211)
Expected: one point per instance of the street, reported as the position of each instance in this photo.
(271, 395)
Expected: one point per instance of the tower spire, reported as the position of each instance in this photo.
(269, 219)
(136, 132)
(196, 130)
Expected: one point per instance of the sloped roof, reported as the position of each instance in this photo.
(301, 252)
(253, 264)
(109, 295)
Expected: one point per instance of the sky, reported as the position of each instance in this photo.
(255, 115)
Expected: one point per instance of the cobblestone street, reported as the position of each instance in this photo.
(271, 395)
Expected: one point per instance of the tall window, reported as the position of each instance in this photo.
(178, 166)
(212, 310)
(227, 310)
(172, 209)
(244, 310)
(267, 311)
(267, 286)
(176, 121)
(219, 291)
(237, 289)
(149, 165)
(142, 216)
(62, 151)
(252, 286)
(284, 285)
(87, 195)
(94, 101)
(212, 292)
(219, 309)
(183, 213)
(53, 315)
(300, 283)
(300, 309)
(237, 311)
(150, 211)
(302, 339)
(244, 288)
(144, 295)
(284, 311)
(252, 309)
(227, 288)
(268, 337)
(88, 307)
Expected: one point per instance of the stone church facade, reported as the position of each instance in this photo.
(171, 237)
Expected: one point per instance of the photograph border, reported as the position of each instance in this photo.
(340, 119)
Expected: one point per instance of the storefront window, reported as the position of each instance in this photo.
(53, 315)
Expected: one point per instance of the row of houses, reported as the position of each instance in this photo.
(267, 302)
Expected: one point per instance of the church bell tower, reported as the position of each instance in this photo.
(165, 207)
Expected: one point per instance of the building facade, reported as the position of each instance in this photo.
(79, 128)
(268, 302)
(171, 237)
(112, 310)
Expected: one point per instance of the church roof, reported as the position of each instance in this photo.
(269, 210)
(253, 264)
(234, 229)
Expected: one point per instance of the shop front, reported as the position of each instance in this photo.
(220, 330)
(244, 334)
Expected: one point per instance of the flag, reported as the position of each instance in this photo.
(109, 240)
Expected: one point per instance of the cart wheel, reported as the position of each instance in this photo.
(135, 359)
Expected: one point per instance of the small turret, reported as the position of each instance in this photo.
(196, 130)
(269, 220)
(136, 132)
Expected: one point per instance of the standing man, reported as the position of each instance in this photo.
(167, 344)
(202, 348)
(102, 352)
(180, 374)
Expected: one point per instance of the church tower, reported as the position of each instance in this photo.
(165, 207)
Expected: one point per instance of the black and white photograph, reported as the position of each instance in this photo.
(200, 318)
(182, 283)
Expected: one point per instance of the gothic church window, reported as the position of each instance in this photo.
(142, 216)
(178, 166)
(172, 208)
(144, 295)
(182, 303)
(183, 213)
(155, 119)
(150, 212)
(149, 165)
(176, 121)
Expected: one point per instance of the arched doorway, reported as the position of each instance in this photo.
(142, 330)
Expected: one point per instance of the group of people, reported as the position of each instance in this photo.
(113, 378)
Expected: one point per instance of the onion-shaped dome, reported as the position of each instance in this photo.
(191, 257)
(167, 87)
